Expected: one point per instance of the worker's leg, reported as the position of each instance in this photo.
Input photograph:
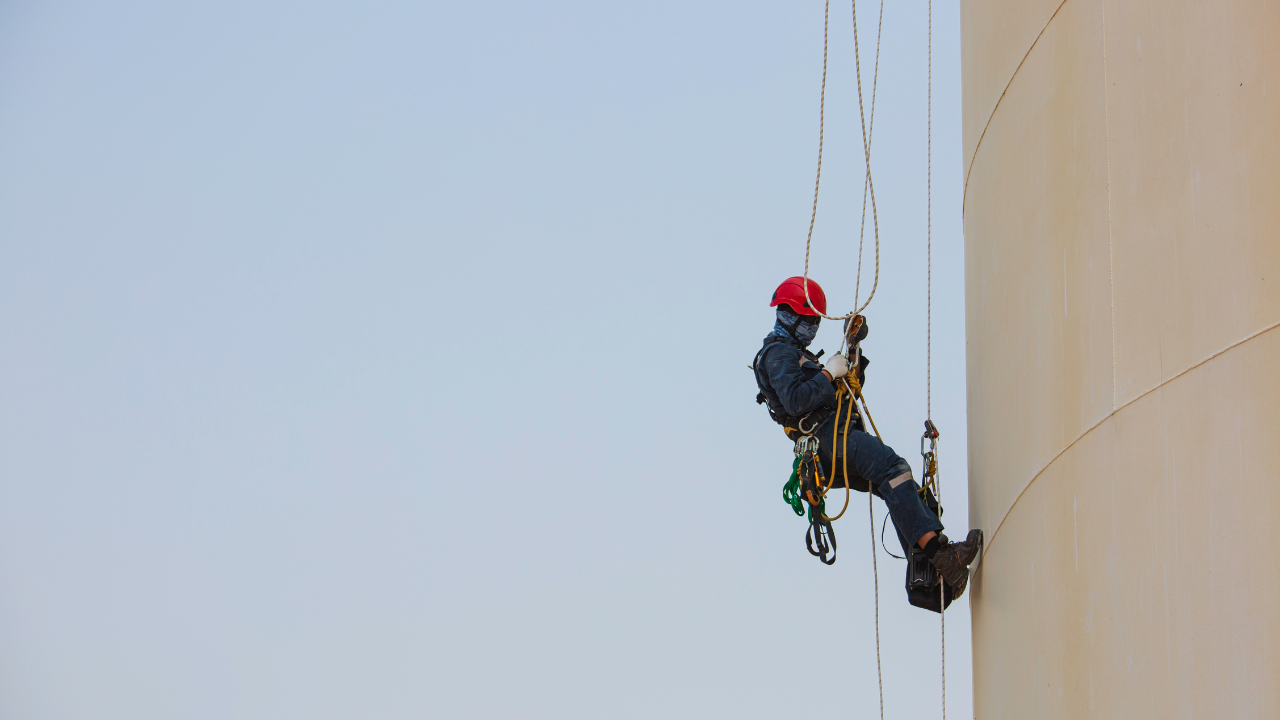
(874, 465)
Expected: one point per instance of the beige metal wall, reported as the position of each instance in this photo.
(1122, 232)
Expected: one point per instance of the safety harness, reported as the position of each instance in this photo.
(794, 426)
(807, 483)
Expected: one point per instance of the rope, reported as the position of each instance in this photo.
(875, 567)
(928, 362)
(928, 334)
(942, 612)
(866, 153)
(835, 428)
(822, 112)
(875, 572)
(871, 126)
(862, 397)
(868, 190)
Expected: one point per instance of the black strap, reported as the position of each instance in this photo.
(809, 422)
(769, 342)
(819, 532)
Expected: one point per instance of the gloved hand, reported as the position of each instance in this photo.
(838, 366)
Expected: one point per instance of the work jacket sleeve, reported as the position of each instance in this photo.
(799, 383)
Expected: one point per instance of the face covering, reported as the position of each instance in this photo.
(789, 325)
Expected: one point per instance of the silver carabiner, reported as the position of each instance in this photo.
(805, 444)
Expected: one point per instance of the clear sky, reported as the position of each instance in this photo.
(390, 359)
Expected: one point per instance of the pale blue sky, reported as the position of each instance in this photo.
(390, 359)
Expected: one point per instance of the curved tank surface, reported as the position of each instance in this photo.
(1122, 260)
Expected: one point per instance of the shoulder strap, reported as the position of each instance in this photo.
(769, 342)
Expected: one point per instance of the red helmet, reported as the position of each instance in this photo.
(791, 292)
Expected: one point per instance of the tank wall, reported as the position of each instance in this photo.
(1122, 240)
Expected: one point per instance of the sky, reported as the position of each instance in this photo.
(391, 359)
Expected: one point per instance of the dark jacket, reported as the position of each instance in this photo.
(791, 381)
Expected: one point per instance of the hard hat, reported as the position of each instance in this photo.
(791, 292)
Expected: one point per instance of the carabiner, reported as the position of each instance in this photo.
(929, 440)
(806, 443)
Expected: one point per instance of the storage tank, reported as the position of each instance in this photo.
(1122, 264)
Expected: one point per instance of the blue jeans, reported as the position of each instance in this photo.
(876, 467)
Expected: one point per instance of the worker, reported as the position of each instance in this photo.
(800, 393)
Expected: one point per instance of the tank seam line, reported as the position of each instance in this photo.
(964, 199)
(1113, 413)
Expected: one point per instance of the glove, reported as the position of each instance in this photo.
(838, 366)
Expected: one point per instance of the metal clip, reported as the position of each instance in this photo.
(809, 430)
(806, 443)
(929, 451)
(929, 440)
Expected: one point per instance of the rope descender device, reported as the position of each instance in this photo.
(929, 452)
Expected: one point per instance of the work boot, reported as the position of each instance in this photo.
(955, 591)
(952, 559)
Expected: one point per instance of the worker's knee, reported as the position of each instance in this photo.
(900, 468)
(896, 472)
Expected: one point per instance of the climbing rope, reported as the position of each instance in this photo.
(928, 363)
(866, 153)
(875, 566)
(875, 573)
(871, 126)
(850, 385)
(868, 189)
(835, 429)
(817, 181)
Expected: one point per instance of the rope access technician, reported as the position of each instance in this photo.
(800, 393)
